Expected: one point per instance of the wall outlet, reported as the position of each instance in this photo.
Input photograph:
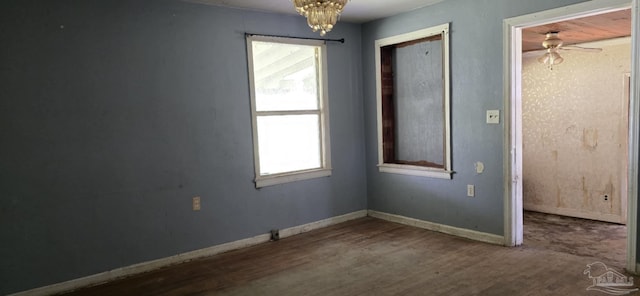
(471, 190)
(493, 116)
(196, 203)
(275, 234)
(479, 167)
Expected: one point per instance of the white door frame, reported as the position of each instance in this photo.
(513, 112)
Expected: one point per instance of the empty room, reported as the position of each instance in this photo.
(345, 147)
(575, 134)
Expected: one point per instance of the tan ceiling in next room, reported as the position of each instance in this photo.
(587, 29)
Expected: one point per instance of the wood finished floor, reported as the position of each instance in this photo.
(368, 256)
(607, 241)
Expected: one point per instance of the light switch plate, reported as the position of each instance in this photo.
(493, 116)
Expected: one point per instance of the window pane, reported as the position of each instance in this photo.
(288, 143)
(285, 76)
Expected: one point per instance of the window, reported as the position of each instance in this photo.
(289, 109)
(412, 73)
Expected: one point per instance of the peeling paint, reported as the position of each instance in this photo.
(609, 190)
(559, 202)
(590, 139)
(585, 193)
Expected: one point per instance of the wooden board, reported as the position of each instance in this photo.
(588, 29)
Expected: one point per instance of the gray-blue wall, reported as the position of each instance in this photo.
(476, 82)
(114, 114)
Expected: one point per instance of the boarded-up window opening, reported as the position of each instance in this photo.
(390, 141)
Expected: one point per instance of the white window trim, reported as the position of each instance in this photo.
(413, 170)
(286, 177)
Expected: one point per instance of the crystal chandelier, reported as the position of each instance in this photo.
(321, 14)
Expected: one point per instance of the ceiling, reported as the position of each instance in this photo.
(356, 11)
(587, 29)
(581, 30)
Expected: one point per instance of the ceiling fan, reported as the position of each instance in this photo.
(552, 43)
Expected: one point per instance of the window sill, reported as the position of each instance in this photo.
(264, 181)
(412, 170)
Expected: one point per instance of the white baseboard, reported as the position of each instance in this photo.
(322, 223)
(575, 213)
(466, 233)
(183, 257)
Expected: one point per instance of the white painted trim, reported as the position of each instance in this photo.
(287, 232)
(264, 181)
(576, 213)
(325, 132)
(461, 232)
(117, 273)
(409, 169)
(414, 171)
(322, 111)
(513, 141)
(512, 52)
(624, 194)
(634, 145)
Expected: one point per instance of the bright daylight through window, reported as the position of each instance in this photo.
(289, 108)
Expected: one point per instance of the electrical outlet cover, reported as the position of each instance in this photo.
(493, 116)
(196, 203)
(471, 190)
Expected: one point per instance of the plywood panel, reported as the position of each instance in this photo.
(594, 28)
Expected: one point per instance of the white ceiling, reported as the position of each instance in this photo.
(356, 11)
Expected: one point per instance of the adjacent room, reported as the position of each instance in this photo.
(251, 147)
(575, 116)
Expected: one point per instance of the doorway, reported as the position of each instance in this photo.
(575, 118)
(514, 125)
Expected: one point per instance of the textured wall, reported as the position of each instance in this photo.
(114, 114)
(575, 125)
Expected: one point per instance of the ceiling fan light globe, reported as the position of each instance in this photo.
(555, 58)
(544, 58)
(558, 61)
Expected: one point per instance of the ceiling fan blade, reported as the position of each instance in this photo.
(580, 48)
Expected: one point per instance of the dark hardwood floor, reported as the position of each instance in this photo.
(606, 241)
(368, 256)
